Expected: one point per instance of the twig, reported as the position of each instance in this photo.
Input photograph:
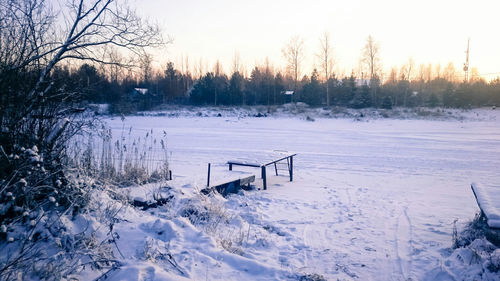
(4, 154)
(104, 276)
(172, 261)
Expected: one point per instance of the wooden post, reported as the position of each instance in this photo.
(230, 167)
(264, 177)
(208, 177)
(291, 168)
(275, 168)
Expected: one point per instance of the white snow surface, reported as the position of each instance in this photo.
(488, 198)
(371, 200)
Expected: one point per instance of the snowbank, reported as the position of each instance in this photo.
(303, 111)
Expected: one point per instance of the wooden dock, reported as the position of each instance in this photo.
(262, 165)
(488, 200)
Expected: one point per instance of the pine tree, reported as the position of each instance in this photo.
(386, 103)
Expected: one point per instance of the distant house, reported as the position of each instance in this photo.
(288, 94)
(141, 91)
(142, 98)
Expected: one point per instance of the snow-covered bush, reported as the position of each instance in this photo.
(44, 194)
(55, 243)
(476, 229)
(209, 213)
(36, 184)
(206, 211)
(476, 255)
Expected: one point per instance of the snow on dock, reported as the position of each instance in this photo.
(488, 199)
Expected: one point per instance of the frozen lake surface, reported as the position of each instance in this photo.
(372, 199)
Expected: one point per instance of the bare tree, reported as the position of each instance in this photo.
(428, 73)
(218, 68)
(36, 110)
(421, 72)
(114, 69)
(393, 76)
(35, 39)
(405, 74)
(449, 73)
(437, 71)
(370, 56)
(406, 70)
(218, 72)
(146, 65)
(326, 61)
(199, 69)
(474, 75)
(236, 62)
(294, 55)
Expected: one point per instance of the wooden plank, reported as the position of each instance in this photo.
(248, 164)
(242, 163)
(247, 180)
(231, 186)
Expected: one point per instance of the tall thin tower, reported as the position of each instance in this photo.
(466, 64)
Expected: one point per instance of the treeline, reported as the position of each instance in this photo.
(263, 86)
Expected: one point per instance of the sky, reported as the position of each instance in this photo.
(428, 31)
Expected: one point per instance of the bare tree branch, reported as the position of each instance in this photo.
(370, 56)
(294, 55)
(326, 61)
(34, 40)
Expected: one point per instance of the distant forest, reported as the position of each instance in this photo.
(263, 86)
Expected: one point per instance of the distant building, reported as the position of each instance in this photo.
(288, 94)
(142, 98)
(142, 91)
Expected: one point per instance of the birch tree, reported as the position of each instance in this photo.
(370, 56)
(325, 57)
(293, 53)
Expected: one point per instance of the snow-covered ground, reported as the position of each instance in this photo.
(372, 198)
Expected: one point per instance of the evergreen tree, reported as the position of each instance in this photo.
(278, 89)
(221, 93)
(362, 98)
(254, 87)
(312, 90)
(346, 91)
(202, 92)
(386, 103)
(236, 89)
(433, 100)
(90, 82)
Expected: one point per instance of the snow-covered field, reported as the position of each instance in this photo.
(372, 199)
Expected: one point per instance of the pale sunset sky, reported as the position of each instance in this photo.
(429, 31)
